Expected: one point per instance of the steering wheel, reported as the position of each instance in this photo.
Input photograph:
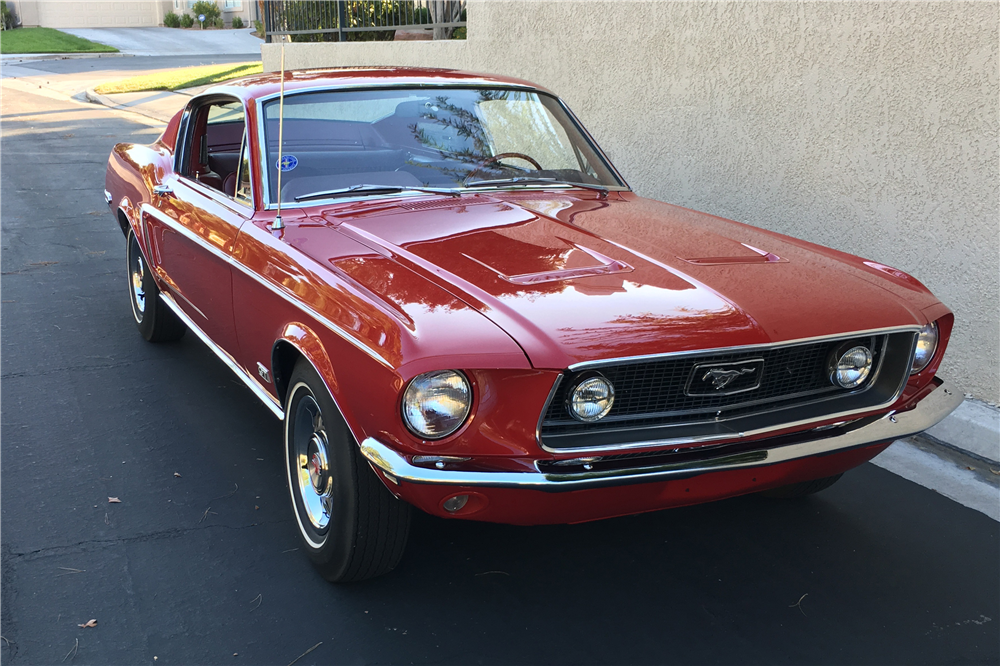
(500, 156)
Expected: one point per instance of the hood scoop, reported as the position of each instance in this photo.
(604, 266)
(758, 257)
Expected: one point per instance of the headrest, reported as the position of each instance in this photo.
(414, 109)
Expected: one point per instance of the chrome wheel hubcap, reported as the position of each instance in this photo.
(138, 293)
(315, 482)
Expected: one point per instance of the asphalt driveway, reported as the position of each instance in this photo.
(173, 41)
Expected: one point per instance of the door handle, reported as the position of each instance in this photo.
(162, 190)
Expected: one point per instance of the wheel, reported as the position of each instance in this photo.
(155, 321)
(352, 528)
(794, 490)
(495, 159)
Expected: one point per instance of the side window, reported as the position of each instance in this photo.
(215, 136)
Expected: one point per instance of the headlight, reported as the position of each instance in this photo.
(591, 399)
(852, 367)
(927, 341)
(436, 404)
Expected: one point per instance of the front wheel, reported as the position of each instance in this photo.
(794, 490)
(156, 322)
(352, 528)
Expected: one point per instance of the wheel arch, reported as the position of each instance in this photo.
(123, 222)
(299, 341)
(127, 219)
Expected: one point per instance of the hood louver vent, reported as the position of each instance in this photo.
(438, 203)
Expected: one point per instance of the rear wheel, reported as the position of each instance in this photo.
(794, 490)
(156, 322)
(352, 528)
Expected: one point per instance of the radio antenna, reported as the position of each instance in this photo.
(277, 225)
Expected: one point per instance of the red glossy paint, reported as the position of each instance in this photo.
(509, 287)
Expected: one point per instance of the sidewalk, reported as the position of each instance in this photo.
(156, 104)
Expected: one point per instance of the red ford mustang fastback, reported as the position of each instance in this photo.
(453, 300)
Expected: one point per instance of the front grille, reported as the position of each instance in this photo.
(660, 393)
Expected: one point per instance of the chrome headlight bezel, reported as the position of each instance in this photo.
(425, 401)
(926, 347)
(841, 366)
(592, 382)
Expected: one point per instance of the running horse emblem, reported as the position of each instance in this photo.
(723, 378)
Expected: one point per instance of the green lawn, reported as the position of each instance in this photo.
(176, 79)
(48, 40)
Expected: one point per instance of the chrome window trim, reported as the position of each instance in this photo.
(299, 304)
(181, 147)
(593, 144)
(704, 439)
(262, 139)
(269, 400)
(244, 150)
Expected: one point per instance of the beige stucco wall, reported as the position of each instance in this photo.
(869, 127)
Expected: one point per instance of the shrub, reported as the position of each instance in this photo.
(216, 23)
(6, 16)
(258, 28)
(171, 20)
(209, 9)
(237, 23)
(187, 21)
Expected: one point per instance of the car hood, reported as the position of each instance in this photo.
(572, 277)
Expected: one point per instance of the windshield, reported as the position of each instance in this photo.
(430, 138)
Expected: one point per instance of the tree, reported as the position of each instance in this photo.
(445, 11)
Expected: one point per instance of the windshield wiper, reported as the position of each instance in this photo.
(529, 180)
(374, 189)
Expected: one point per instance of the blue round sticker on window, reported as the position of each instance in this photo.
(287, 163)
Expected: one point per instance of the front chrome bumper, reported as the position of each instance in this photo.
(929, 411)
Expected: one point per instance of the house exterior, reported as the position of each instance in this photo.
(117, 14)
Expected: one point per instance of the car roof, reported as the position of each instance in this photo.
(263, 85)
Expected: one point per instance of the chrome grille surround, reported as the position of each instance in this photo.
(652, 416)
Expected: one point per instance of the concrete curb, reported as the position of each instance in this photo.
(973, 428)
(59, 56)
(95, 97)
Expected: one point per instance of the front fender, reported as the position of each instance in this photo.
(306, 343)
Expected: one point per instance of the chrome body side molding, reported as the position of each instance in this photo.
(929, 411)
(269, 401)
(275, 289)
